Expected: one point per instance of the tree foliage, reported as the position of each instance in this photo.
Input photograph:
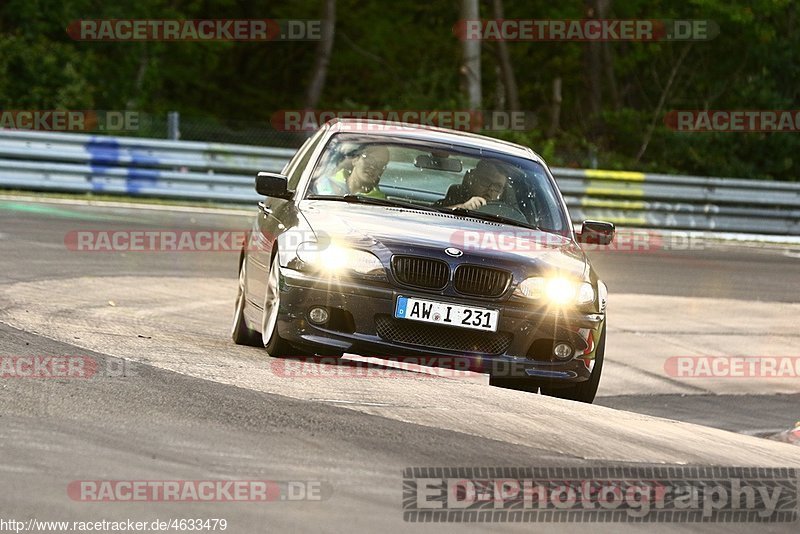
(405, 55)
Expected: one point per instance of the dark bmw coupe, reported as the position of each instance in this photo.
(397, 241)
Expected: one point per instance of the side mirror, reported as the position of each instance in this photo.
(273, 184)
(596, 232)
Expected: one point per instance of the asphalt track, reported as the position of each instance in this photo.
(191, 405)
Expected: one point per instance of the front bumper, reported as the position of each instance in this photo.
(369, 329)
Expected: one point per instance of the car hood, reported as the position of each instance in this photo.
(402, 230)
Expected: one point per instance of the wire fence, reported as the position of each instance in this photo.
(260, 133)
(256, 133)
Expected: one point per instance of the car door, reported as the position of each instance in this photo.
(275, 216)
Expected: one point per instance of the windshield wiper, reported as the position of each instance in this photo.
(489, 217)
(362, 199)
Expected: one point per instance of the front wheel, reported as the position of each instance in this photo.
(240, 332)
(275, 345)
(584, 391)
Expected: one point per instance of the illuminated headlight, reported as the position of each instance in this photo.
(558, 291)
(334, 259)
(585, 293)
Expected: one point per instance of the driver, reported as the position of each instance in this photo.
(485, 183)
(362, 178)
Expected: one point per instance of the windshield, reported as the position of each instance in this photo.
(466, 181)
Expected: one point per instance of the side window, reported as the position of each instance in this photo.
(297, 170)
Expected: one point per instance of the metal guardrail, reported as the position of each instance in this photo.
(682, 202)
(223, 172)
(133, 166)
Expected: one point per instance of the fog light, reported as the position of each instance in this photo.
(563, 351)
(318, 315)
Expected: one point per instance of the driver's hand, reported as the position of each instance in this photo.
(473, 203)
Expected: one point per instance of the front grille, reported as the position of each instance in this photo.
(441, 337)
(481, 281)
(420, 272)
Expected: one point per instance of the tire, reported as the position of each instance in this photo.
(583, 391)
(275, 345)
(240, 332)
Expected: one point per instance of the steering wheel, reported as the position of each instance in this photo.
(502, 209)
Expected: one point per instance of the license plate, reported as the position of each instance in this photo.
(444, 313)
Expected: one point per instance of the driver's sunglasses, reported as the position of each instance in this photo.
(492, 186)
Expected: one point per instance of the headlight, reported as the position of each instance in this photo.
(558, 291)
(334, 259)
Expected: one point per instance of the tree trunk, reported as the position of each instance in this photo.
(471, 60)
(500, 90)
(555, 109)
(661, 101)
(504, 59)
(595, 9)
(611, 79)
(328, 28)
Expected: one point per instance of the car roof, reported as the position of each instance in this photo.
(431, 133)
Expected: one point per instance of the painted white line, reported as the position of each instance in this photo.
(359, 403)
(722, 237)
(129, 205)
(717, 236)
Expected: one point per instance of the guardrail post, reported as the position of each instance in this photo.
(173, 125)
